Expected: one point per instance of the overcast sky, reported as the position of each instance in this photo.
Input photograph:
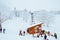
(32, 5)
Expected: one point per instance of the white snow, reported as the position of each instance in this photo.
(13, 26)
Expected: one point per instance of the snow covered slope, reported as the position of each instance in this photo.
(13, 26)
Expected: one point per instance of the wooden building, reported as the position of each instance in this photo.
(35, 29)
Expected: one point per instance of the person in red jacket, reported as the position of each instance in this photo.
(48, 33)
(41, 33)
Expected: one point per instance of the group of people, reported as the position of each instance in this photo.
(22, 33)
(2, 30)
(44, 34)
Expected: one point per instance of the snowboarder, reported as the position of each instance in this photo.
(4, 30)
(55, 35)
(20, 33)
(45, 37)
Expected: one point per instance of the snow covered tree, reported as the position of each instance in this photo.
(16, 14)
(47, 18)
(44, 17)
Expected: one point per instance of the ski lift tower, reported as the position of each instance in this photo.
(32, 20)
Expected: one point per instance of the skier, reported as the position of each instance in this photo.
(20, 33)
(4, 30)
(23, 33)
(41, 33)
(55, 35)
(45, 37)
(44, 32)
(48, 33)
(0, 29)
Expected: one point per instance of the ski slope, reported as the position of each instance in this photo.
(13, 26)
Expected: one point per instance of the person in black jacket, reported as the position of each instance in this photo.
(55, 35)
(4, 30)
(45, 36)
(23, 33)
